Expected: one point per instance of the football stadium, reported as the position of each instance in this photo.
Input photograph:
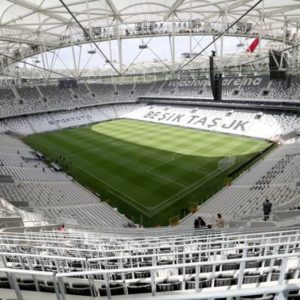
(149, 149)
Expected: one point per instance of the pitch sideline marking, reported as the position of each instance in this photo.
(118, 191)
(184, 192)
(165, 178)
(190, 188)
(139, 204)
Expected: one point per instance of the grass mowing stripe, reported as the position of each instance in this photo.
(145, 168)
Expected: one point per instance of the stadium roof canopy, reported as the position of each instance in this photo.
(30, 27)
(49, 17)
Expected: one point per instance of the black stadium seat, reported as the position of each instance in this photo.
(4, 283)
(80, 289)
(48, 286)
(203, 283)
(26, 284)
(168, 285)
(139, 288)
(115, 289)
(258, 297)
(224, 280)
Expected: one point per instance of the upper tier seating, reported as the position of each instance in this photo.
(41, 98)
(35, 99)
(248, 88)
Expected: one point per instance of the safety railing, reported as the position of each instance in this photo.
(220, 283)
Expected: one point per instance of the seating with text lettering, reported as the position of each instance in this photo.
(30, 124)
(240, 87)
(40, 98)
(249, 123)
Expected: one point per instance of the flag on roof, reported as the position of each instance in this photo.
(253, 45)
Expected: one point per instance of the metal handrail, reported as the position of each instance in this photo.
(109, 248)
(57, 278)
(160, 243)
(220, 250)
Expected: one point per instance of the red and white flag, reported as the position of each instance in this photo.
(253, 45)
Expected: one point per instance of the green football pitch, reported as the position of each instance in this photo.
(151, 172)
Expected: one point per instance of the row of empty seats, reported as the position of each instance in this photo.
(275, 178)
(31, 124)
(42, 98)
(37, 99)
(35, 186)
(241, 122)
(101, 264)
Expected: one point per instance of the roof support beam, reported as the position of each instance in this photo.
(281, 10)
(173, 9)
(26, 30)
(114, 10)
(237, 4)
(36, 8)
(229, 8)
(15, 60)
(221, 34)
(86, 33)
